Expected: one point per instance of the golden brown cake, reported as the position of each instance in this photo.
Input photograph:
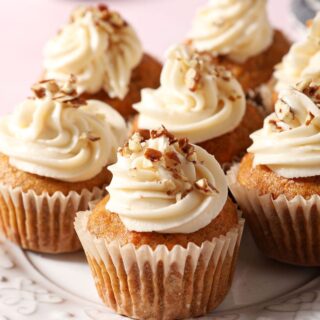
(257, 70)
(201, 101)
(277, 184)
(104, 53)
(145, 75)
(108, 225)
(266, 181)
(239, 36)
(54, 150)
(167, 226)
(13, 177)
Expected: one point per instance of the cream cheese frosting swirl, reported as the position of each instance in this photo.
(195, 99)
(166, 185)
(302, 62)
(239, 29)
(55, 134)
(99, 48)
(289, 142)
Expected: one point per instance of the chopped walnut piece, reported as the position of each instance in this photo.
(171, 159)
(162, 132)
(53, 87)
(76, 102)
(274, 123)
(205, 187)
(116, 20)
(311, 89)
(102, 7)
(192, 79)
(284, 111)
(153, 155)
(192, 157)
(309, 118)
(134, 143)
(186, 147)
(39, 92)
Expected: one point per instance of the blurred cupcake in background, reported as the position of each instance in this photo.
(54, 150)
(277, 184)
(240, 37)
(202, 102)
(105, 54)
(302, 61)
(164, 243)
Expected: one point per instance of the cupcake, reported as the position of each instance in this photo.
(202, 102)
(105, 54)
(164, 243)
(277, 184)
(54, 150)
(239, 36)
(302, 61)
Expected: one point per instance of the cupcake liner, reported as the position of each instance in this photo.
(143, 283)
(43, 223)
(285, 230)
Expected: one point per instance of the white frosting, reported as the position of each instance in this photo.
(51, 138)
(289, 142)
(302, 61)
(99, 48)
(239, 29)
(148, 196)
(195, 99)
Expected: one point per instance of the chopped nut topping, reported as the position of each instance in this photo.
(171, 159)
(153, 155)
(192, 157)
(102, 7)
(60, 91)
(284, 111)
(186, 147)
(134, 143)
(311, 89)
(205, 187)
(104, 18)
(192, 79)
(162, 132)
(274, 123)
(309, 118)
(39, 92)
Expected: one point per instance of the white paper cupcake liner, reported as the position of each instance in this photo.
(160, 284)
(43, 223)
(286, 230)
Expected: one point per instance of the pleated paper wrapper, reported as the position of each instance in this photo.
(285, 230)
(143, 283)
(43, 223)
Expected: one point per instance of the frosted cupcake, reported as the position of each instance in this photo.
(105, 54)
(277, 184)
(302, 61)
(202, 102)
(239, 36)
(54, 150)
(164, 244)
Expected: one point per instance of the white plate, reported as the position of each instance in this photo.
(44, 287)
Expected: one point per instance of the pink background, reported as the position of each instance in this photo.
(26, 25)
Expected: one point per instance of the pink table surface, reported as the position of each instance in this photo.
(26, 25)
